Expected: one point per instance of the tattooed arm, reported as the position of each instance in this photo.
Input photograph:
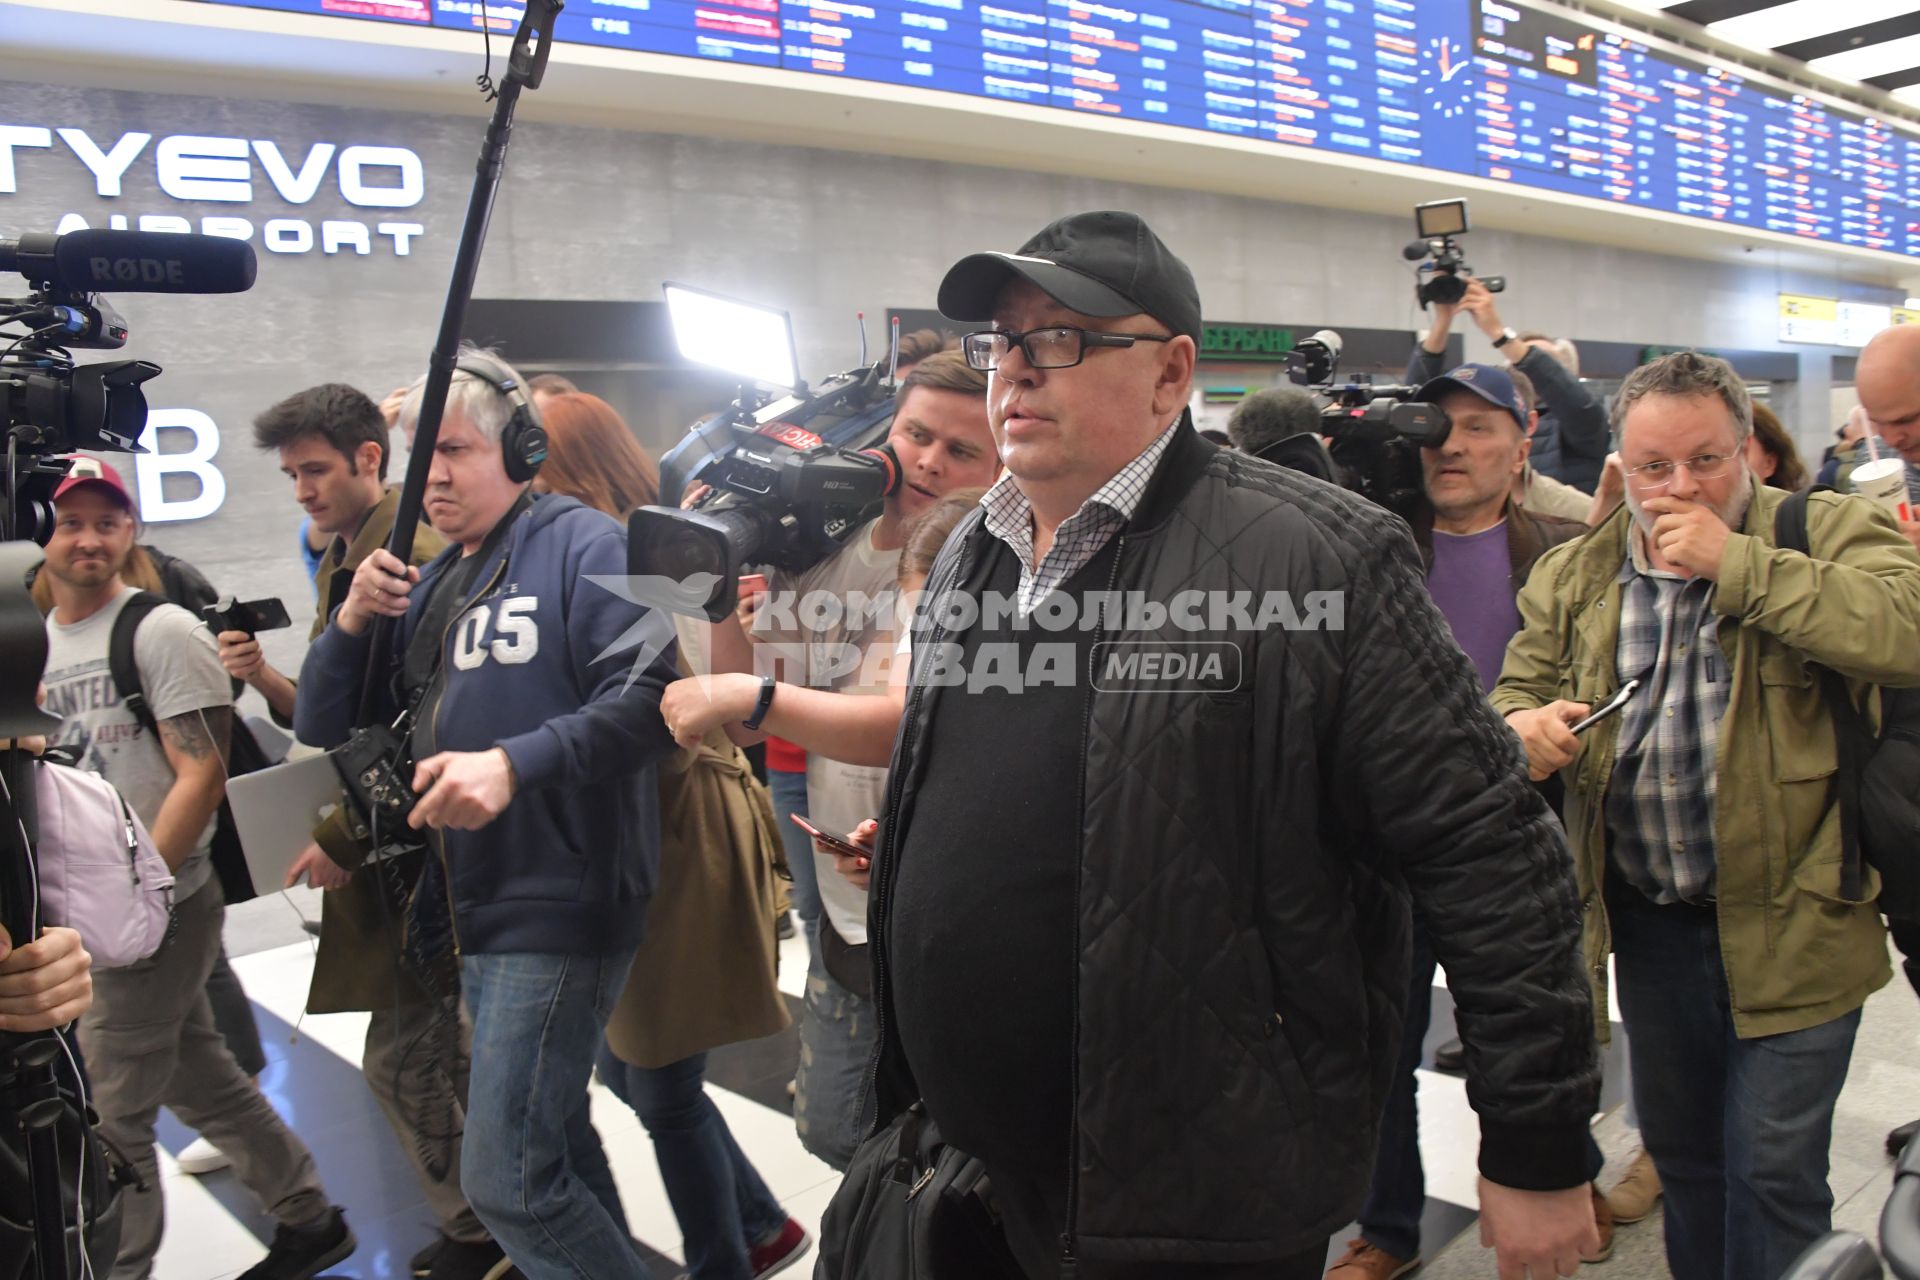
(196, 747)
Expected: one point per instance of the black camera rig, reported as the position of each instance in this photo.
(1444, 278)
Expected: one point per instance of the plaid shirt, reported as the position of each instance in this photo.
(1659, 807)
(1009, 517)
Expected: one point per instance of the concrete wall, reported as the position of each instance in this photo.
(599, 214)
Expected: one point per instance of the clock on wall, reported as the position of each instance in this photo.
(1446, 87)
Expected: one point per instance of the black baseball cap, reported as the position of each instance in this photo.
(1099, 264)
(1490, 382)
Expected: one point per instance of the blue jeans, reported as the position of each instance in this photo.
(1738, 1129)
(1390, 1220)
(722, 1205)
(837, 1041)
(531, 1165)
(789, 791)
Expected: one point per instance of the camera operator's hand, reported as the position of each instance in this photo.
(696, 492)
(320, 871)
(45, 984)
(1547, 734)
(240, 654)
(1478, 303)
(380, 587)
(1911, 528)
(696, 705)
(1690, 536)
(858, 871)
(464, 790)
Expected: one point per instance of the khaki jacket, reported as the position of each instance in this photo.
(1797, 954)
(706, 973)
(357, 967)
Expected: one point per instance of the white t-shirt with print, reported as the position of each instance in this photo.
(180, 672)
(841, 796)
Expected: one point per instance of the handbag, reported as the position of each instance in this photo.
(100, 874)
(913, 1208)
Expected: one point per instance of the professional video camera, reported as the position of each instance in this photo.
(1443, 279)
(50, 406)
(789, 477)
(1373, 431)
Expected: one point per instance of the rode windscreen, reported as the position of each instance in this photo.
(102, 260)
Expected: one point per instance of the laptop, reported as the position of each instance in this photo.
(275, 811)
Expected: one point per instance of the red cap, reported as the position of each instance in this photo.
(90, 470)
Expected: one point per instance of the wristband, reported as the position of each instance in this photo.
(767, 686)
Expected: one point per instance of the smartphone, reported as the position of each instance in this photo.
(250, 616)
(1608, 707)
(834, 843)
(752, 584)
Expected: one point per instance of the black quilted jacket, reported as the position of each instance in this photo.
(1247, 862)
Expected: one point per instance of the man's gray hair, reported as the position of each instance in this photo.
(1270, 415)
(475, 398)
(1686, 375)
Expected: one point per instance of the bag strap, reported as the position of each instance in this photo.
(1852, 735)
(120, 662)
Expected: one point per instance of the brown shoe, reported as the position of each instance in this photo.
(1634, 1196)
(1603, 1219)
(1363, 1261)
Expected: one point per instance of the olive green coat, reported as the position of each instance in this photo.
(706, 974)
(1797, 953)
(357, 965)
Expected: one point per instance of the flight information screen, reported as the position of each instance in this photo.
(1482, 87)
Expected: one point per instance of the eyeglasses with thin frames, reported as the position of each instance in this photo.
(1658, 475)
(1055, 346)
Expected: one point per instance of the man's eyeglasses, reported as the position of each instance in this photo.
(1059, 346)
(1658, 475)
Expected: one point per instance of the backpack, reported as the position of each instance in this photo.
(243, 752)
(1878, 779)
(99, 872)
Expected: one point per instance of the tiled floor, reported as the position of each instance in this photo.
(215, 1230)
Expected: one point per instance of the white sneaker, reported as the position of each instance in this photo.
(201, 1156)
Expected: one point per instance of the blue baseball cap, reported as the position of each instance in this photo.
(1490, 382)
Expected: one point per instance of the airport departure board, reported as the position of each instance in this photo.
(1483, 87)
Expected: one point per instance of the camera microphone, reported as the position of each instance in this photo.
(1416, 250)
(103, 260)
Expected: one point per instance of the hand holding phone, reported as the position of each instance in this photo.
(837, 844)
(1607, 708)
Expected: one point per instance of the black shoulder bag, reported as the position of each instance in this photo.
(1878, 779)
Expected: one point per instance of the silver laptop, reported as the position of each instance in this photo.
(275, 811)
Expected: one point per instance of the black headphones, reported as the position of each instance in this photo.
(523, 441)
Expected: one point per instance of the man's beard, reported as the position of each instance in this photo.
(1731, 512)
(89, 576)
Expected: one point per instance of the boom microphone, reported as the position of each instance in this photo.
(103, 260)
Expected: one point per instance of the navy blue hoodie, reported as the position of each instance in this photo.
(535, 663)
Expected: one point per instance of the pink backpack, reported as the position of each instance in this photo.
(99, 872)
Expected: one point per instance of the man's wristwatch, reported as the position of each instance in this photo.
(767, 686)
(1506, 335)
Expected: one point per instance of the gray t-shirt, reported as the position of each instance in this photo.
(848, 650)
(180, 672)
